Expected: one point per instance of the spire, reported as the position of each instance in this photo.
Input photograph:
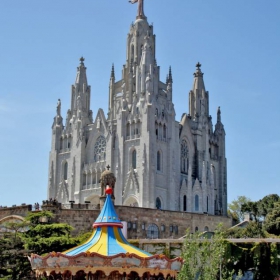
(219, 126)
(113, 71)
(80, 96)
(170, 79)
(81, 77)
(198, 79)
(219, 115)
(198, 96)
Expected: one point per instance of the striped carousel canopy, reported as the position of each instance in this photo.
(107, 238)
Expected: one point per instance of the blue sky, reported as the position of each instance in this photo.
(237, 42)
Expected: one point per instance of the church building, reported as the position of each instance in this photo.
(158, 162)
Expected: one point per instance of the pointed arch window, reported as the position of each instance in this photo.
(134, 155)
(100, 149)
(61, 143)
(65, 170)
(158, 203)
(84, 180)
(184, 156)
(185, 203)
(128, 129)
(164, 131)
(156, 130)
(159, 161)
(196, 203)
(207, 204)
(160, 131)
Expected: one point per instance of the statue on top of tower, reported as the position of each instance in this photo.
(58, 107)
(140, 13)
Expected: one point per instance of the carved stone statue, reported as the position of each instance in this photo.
(58, 107)
(79, 103)
(140, 13)
(148, 83)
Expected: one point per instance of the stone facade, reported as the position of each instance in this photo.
(158, 162)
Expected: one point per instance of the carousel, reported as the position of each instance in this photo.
(107, 254)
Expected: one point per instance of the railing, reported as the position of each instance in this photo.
(79, 206)
(95, 186)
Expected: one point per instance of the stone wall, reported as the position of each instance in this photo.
(21, 210)
(142, 223)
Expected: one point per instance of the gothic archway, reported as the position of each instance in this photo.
(131, 201)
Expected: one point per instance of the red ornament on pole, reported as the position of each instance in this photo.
(109, 190)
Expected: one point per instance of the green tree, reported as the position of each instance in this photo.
(252, 208)
(13, 256)
(234, 208)
(266, 204)
(206, 259)
(272, 221)
(252, 230)
(44, 236)
(36, 234)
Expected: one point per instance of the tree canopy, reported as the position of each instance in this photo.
(234, 208)
(37, 234)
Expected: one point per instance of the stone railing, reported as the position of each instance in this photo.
(79, 206)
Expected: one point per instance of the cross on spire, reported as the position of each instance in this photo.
(82, 60)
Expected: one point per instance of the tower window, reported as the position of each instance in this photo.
(185, 203)
(84, 180)
(156, 130)
(61, 144)
(158, 203)
(160, 131)
(128, 130)
(196, 203)
(159, 161)
(184, 156)
(207, 204)
(164, 131)
(65, 170)
(134, 154)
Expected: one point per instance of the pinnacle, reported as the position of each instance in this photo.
(82, 60)
(198, 72)
(81, 77)
(113, 71)
(170, 75)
